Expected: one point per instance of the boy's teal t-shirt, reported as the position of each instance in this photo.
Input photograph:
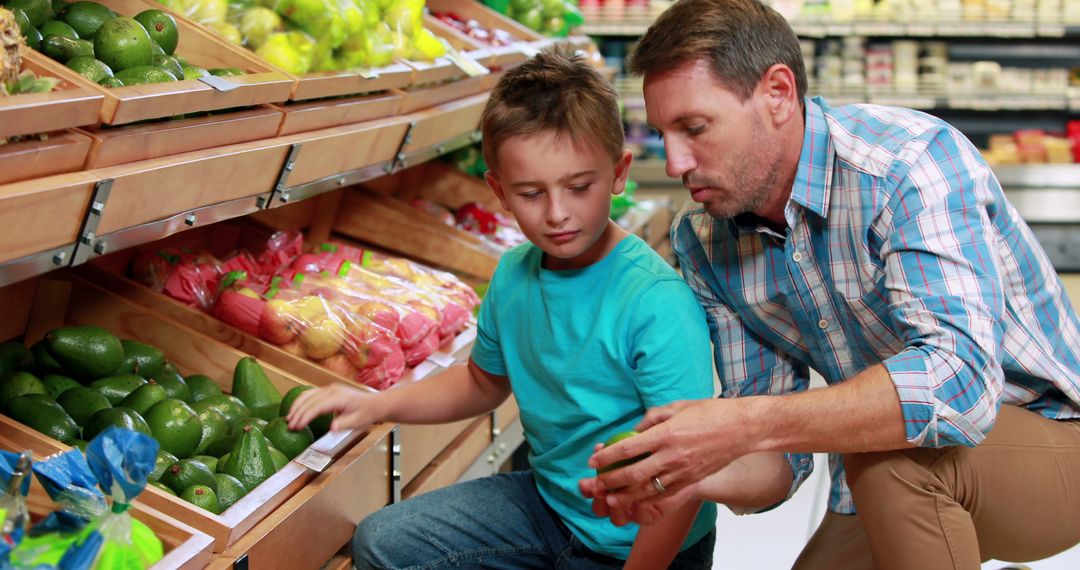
(587, 351)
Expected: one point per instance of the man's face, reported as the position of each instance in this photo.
(721, 147)
(560, 194)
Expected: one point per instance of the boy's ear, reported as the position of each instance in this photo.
(622, 172)
(496, 187)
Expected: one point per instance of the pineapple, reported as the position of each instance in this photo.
(11, 48)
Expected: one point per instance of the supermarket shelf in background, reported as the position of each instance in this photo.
(826, 28)
(927, 101)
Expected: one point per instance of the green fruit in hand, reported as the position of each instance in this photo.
(254, 388)
(15, 384)
(616, 439)
(278, 458)
(250, 461)
(229, 490)
(230, 407)
(57, 28)
(176, 427)
(203, 497)
(85, 17)
(56, 384)
(161, 27)
(122, 43)
(85, 352)
(14, 356)
(141, 358)
(256, 423)
(214, 428)
(45, 417)
(37, 11)
(291, 443)
(116, 388)
(319, 426)
(188, 472)
(144, 397)
(81, 403)
(201, 387)
(95, 71)
(120, 417)
(163, 461)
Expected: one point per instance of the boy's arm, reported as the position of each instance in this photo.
(460, 392)
(657, 545)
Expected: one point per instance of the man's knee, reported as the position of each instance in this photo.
(890, 472)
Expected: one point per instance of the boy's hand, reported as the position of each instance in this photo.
(645, 512)
(352, 408)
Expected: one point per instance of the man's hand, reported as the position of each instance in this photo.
(687, 442)
(353, 408)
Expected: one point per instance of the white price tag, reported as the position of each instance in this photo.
(442, 359)
(470, 66)
(367, 73)
(314, 460)
(218, 83)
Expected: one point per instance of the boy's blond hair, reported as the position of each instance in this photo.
(555, 90)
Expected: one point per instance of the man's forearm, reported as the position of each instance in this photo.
(859, 415)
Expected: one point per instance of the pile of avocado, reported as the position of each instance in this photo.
(104, 47)
(214, 447)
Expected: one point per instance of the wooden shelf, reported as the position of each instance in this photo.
(69, 105)
(60, 153)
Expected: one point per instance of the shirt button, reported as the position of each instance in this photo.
(823, 324)
(796, 257)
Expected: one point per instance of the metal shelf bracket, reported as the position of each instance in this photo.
(85, 243)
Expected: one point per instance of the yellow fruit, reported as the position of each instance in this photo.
(322, 339)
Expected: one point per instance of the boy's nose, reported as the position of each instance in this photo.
(557, 212)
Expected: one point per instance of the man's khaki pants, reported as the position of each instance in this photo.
(1014, 497)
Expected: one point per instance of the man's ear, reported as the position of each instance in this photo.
(496, 187)
(622, 172)
(779, 94)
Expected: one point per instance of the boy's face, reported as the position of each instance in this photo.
(560, 194)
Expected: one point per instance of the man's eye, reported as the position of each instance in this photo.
(695, 130)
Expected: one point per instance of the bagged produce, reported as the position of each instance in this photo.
(15, 478)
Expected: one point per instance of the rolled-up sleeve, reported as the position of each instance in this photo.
(945, 295)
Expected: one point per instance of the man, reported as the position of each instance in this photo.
(874, 245)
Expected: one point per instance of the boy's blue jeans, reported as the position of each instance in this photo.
(494, 522)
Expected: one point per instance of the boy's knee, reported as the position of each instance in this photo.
(375, 530)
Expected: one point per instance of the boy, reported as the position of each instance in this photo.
(586, 325)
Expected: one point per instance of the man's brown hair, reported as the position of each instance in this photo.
(741, 40)
(555, 90)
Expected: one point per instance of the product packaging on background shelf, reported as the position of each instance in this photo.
(363, 315)
(15, 479)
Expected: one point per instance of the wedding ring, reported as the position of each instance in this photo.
(660, 489)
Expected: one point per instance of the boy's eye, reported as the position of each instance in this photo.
(580, 188)
(696, 129)
(530, 195)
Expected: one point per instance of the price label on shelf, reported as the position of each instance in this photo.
(367, 73)
(218, 83)
(470, 66)
(920, 30)
(1051, 30)
(442, 359)
(314, 460)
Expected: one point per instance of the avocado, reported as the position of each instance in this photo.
(176, 427)
(81, 444)
(230, 407)
(170, 65)
(320, 426)
(85, 17)
(46, 418)
(144, 397)
(173, 382)
(291, 443)
(22, 21)
(163, 461)
(188, 472)
(15, 357)
(203, 497)
(56, 384)
(116, 388)
(278, 458)
(120, 417)
(257, 423)
(250, 461)
(44, 399)
(193, 71)
(164, 488)
(95, 71)
(222, 445)
(214, 427)
(57, 5)
(221, 464)
(161, 27)
(57, 28)
(64, 49)
(33, 39)
(202, 387)
(81, 403)
(44, 363)
(111, 83)
(226, 71)
(122, 43)
(255, 390)
(208, 460)
(143, 74)
(229, 490)
(37, 11)
(140, 358)
(15, 384)
(85, 352)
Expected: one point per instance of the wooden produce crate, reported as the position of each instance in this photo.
(42, 214)
(395, 225)
(439, 182)
(424, 97)
(313, 115)
(262, 84)
(316, 522)
(133, 143)
(332, 151)
(60, 153)
(69, 105)
(501, 56)
(80, 302)
(446, 468)
(185, 548)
